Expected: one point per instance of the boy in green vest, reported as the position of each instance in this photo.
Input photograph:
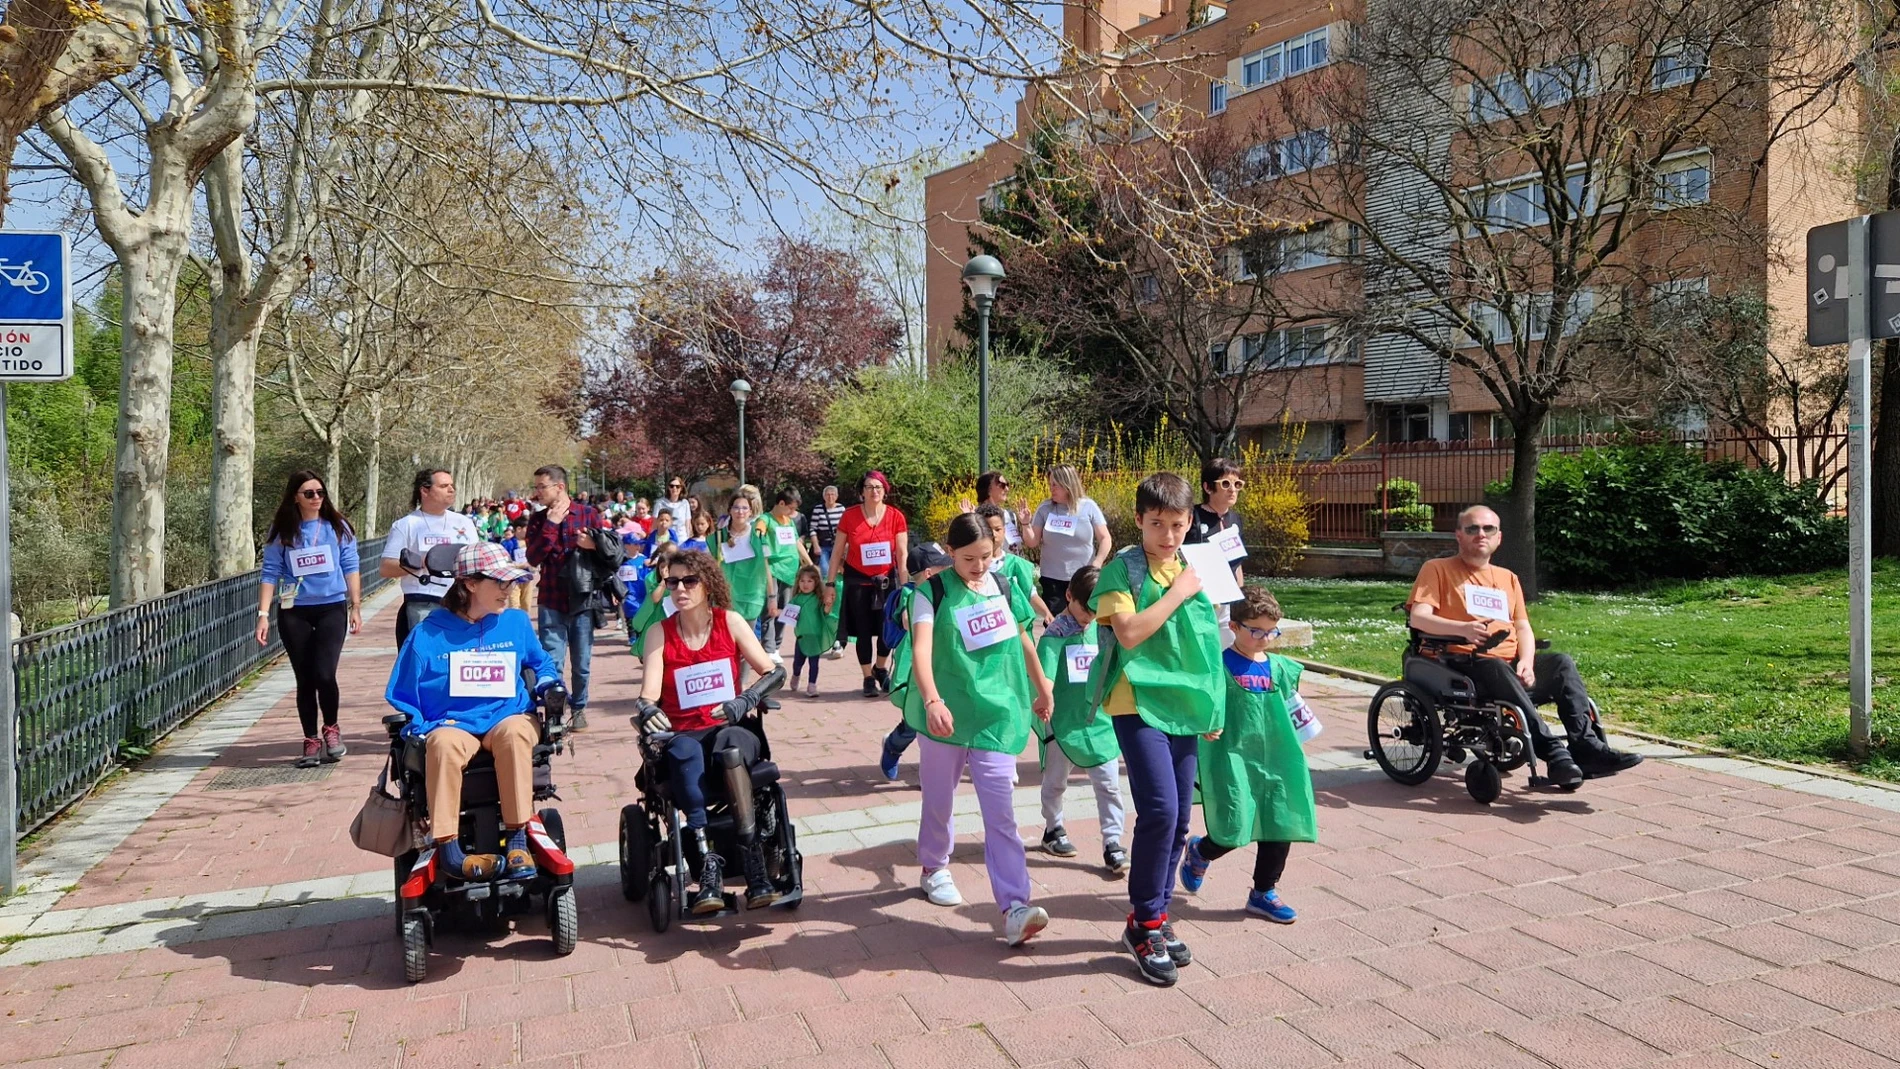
(1160, 682)
(1255, 786)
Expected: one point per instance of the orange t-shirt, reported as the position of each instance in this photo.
(1457, 591)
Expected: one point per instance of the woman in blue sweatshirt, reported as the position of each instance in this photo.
(459, 679)
(310, 558)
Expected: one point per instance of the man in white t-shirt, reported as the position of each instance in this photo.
(434, 522)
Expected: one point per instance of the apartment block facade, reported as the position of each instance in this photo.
(1238, 63)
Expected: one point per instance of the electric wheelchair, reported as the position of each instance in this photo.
(427, 897)
(657, 858)
(1433, 713)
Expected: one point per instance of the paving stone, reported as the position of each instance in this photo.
(1671, 1025)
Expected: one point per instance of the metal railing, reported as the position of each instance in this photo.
(130, 676)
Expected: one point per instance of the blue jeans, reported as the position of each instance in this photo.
(572, 634)
(824, 560)
(899, 739)
(687, 755)
(1161, 770)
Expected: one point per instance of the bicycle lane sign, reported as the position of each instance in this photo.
(36, 327)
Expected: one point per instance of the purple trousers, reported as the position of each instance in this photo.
(940, 768)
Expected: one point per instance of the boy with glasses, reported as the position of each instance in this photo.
(1468, 597)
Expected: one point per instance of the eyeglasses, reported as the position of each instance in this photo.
(310, 495)
(676, 486)
(1230, 484)
(1002, 484)
(687, 581)
(1476, 529)
(1258, 634)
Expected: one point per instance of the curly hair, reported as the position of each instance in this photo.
(700, 563)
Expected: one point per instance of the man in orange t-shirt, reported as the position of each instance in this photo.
(1468, 597)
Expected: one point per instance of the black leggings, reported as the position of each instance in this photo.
(313, 640)
(863, 617)
(1269, 861)
(1055, 594)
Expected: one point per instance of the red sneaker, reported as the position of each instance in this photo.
(333, 748)
(312, 754)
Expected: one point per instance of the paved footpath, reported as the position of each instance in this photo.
(1696, 912)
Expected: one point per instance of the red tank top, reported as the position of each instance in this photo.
(705, 686)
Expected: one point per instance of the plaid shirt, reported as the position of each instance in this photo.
(550, 543)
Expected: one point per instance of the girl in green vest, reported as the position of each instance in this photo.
(974, 680)
(788, 555)
(1075, 737)
(658, 604)
(744, 553)
(1255, 786)
(814, 628)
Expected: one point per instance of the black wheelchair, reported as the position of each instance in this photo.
(428, 898)
(1433, 713)
(657, 859)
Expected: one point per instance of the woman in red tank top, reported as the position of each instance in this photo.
(691, 666)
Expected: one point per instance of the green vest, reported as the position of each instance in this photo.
(816, 629)
(747, 576)
(651, 613)
(784, 557)
(987, 689)
(1086, 739)
(1176, 672)
(1255, 786)
(1022, 579)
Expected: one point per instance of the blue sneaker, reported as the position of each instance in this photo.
(887, 764)
(1193, 866)
(1267, 904)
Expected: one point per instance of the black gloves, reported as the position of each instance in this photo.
(649, 717)
(737, 709)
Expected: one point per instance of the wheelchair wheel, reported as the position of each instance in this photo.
(636, 853)
(415, 950)
(1512, 722)
(663, 901)
(404, 862)
(1483, 781)
(1407, 738)
(551, 820)
(564, 920)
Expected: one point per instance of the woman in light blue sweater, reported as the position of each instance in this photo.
(310, 558)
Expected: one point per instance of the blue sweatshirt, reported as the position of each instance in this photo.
(318, 588)
(419, 684)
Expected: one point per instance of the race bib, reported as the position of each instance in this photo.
(628, 573)
(874, 554)
(668, 607)
(1079, 658)
(436, 540)
(789, 615)
(736, 551)
(482, 674)
(1062, 525)
(985, 624)
(1487, 602)
(704, 684)
(1228, 541)
(787, 536)
(312, 560)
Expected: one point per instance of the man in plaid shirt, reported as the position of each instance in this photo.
(561, 528)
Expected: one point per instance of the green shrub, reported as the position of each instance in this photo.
(1629, 513)
(1403, 510)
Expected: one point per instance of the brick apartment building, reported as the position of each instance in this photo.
(1240, 61)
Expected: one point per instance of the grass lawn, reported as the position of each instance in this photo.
(1755, 665)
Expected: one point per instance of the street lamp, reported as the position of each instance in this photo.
(982, 274)
(741, 389)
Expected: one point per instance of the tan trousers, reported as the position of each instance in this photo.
(449, 751)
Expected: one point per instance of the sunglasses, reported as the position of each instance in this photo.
(1258, 634)
(1230, 484)
(1475, 529)
(676, 486)
(1002, 484)
(310, 495)
(687, 581)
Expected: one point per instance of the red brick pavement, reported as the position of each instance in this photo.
(1670, 916)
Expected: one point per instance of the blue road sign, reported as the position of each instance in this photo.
(36, 328)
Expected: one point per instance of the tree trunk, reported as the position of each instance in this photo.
(373, 470)
(235, 335)
(145, 404)
(333, 459)
(1518, 513)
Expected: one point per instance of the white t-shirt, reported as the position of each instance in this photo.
(680, 516)
(419, 531)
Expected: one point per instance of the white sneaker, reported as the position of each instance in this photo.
(942, 890)
(836, 652)
(811, 690)
(1022, 923)
(776, 659)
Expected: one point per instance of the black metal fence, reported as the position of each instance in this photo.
(129, 677)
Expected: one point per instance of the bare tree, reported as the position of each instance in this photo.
(50, 52)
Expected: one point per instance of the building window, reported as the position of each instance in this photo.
(1681, 181)
(1489, 321)
(1143, 126)
(1678, 302)
(1678, 62)
(1408, 423)
(1284, 59)
(1300, 249)
(1525, 201)
(1548, 86)
(1212, 13)
(1217, 96)
(1217, 358)
(1280, 350)
(1147, 288)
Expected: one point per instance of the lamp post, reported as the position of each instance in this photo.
(982, 274)
(741, 389)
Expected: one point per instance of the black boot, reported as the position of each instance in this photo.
(710, 898)
(1559, 768)
(1591, 749)
(759, 891)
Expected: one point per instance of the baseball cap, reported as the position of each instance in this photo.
(489, 559)
(926, 555)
